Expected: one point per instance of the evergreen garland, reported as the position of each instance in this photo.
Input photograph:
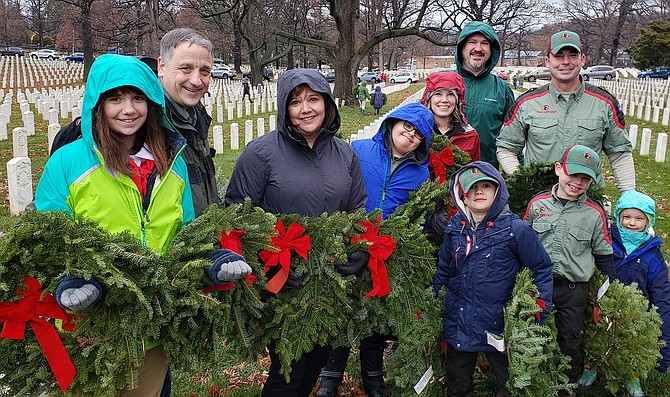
(536, 364)
(295, 320)
(201, 322)
(419, 348)
(623, 345)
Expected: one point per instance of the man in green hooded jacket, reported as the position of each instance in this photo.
(487, 96)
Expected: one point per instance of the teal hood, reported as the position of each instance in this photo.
(488, 32)
(111, 71)
(637, 200)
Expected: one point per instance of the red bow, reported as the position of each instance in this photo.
(540, 303)
(284, 241)
(32, 308)
(439, 163)
(380, 249)
(596, 315)
(230, 241)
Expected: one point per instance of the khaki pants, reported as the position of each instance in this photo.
(151, 375)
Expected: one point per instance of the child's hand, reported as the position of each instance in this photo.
(227, 266)
(75, 294)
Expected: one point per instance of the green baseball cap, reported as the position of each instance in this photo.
(472, 175)
(564, 39)
(580, 159)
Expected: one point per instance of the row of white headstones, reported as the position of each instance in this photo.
(59, 103)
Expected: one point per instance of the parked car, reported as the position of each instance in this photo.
(45, 54)
(330, 77)
(75, 57)
(217, 61)
(599, 72)
(502, 75)
(659, 73)
(537, 74)
(12, 51)
(223, 72)
(404, 77)
(370, 77)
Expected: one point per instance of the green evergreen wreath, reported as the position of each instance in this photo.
(108, 344)
(623, 345)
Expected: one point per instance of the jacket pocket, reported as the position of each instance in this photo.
(590, 132)
(581, 239)
(544, 129)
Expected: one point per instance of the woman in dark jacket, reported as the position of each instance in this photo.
(300, 168)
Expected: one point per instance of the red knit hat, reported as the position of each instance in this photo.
(449, 80)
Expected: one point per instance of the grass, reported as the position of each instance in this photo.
(226, 378)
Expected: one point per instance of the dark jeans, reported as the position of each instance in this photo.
(304, 374)
(372, 363)
(570, 300)
(461, 367)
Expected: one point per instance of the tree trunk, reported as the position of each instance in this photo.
(346, 60)
(86, 37)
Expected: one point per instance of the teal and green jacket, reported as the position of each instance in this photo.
(487, 96)
(76, 180)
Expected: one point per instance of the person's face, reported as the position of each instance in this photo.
(633, 219)
(185, 77)
(476, 52)
(570, 187)
(405, 138)
(442, 103)
(125, 113)
(565, 66)
(479, 198)
(306, 112)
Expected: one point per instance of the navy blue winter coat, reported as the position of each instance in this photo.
(646, 267)
(480, 283)
(388, 190)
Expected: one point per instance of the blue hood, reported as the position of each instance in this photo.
(417, 114)
(502, 195)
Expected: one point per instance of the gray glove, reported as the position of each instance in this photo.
(227, 266)
(75, 294)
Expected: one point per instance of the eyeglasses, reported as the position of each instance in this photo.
(411, 131)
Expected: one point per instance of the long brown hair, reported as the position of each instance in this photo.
(151, 135)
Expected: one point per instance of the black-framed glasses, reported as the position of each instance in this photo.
(411, 131)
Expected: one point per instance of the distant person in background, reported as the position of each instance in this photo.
(246, 88)
(487, 96)
(361, 93)
(378, 99)
(445, 97)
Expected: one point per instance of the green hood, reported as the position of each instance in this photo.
(488, 32)
(111, 71)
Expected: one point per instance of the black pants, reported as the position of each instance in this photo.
(570, 300)
(461, 367)
(304, 374)
(372, 363)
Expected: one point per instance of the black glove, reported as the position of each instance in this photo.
(357, 262)
(291, 282)
(438, 221)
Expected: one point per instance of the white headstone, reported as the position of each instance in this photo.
(20, 140)
(248, 132)
(655, 114)
(53, 116)
(247, 108)
(647, 112)
(230, 113)
(660, 147)
(234, 136)
(260, 126)
(219, 113)
(239, 109)
(53, 130)
(646, 142)
(640, 111)
(29, 123)
(218, 138)
(19, 184)
(3, 130)
(273, 122)
(632, 134)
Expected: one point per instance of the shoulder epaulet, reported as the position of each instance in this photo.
(528, 95)
(607, 97)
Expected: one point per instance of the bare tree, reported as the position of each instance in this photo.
(346, 48)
